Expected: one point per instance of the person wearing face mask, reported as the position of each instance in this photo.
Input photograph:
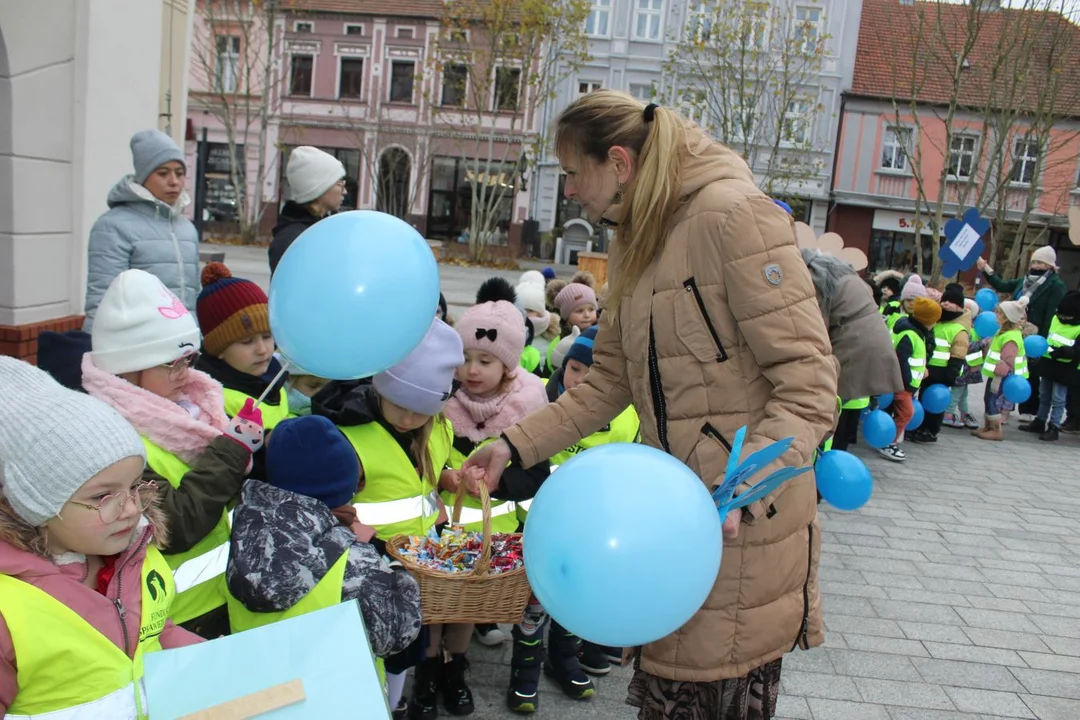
(317, 183)
(711, 324)
(1044, 289)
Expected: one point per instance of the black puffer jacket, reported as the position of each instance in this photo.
(293, 220)
(284, 543)
(1063, 364)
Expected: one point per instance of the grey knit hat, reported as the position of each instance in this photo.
(150, 149)
(52, 440)
(421, 383)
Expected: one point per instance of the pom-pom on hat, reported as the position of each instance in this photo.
(913, 288)
(954, 293)
(309, 456)
(424, 380)
(229, 309)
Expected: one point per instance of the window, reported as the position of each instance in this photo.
(453, 85)
(406, 33)
(742, 119)
(796, 125)
(401, 81)
(300, 73)
(585, 87)
(757, 25)
(227, 67)
(962, 156)
(699, 23)
(1025, 160)
(354, 29)
(895, 148)
(647, 17)
(642, 91)
(351, 78)
(507, 88)
(599, 17)
(807, 28)
(303, 27)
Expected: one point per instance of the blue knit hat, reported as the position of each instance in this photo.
(548, 274)
(309, 456)
(581, 350)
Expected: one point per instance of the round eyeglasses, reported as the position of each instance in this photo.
(177, 367)
(111, 507)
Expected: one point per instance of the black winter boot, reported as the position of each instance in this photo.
(457, 697)
(1036, 426)
(563, 665)
(1051, 434)
(425, 702)
(523, 695)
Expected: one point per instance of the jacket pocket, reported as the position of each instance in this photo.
(694, 326)
(710, 456)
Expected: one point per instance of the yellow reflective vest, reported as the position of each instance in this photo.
(917, 361)
(504, 517)
(993, 355)
(67, 670)
(271, 414)
(200, 571)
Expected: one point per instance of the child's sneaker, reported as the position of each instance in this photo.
(970, 422)
(490, 635)
(892, 452)
(563, 665)
(594, 660)
(953, 420)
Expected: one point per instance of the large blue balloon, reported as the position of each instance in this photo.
(884, 401)
(878, 429)
(1035, 346)
(1016, 389)
(986, 299)
(935, 399)
(986, 324)
(353, 295)
(593, 548)
(917, 418)
(843, 480)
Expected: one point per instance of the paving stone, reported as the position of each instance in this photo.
(995, 620)
(792, 708)
(1060, 645)
(1000, 604)
(851, 589)
(1045, 661)
(818, 685)
(1048, 682)
(975, 653)
(847, 605)
(1005, 639)
(1062, 627)
(950, 571)
(1017, 592)
(842, 710)
(898, 713)
(815, 660)
(1051, 708)
(989, 702)
(934, 633)
(889, 553)
(966, 674)
(880, 565)
(928, 597)
(1055, 609)
(916, 612)
(891, 646)
(909, 694)
(863, 626)
(892, 581)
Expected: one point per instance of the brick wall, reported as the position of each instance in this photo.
(21, 340)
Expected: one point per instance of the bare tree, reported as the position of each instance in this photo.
(495, 63)
(748, 74)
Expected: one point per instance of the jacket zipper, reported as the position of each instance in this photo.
(691, 287)
(715, 434)
(120, 610)
(657, 387)
(801, 637)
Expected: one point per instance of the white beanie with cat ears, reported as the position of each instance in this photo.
(1015, 311)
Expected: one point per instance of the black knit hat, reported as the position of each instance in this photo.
(954, 293)
(1069, 307)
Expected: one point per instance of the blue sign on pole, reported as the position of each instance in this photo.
(965, 245)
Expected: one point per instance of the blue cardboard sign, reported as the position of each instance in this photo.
(965, 245)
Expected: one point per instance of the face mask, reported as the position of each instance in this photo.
(540, 325)
(1036, 273)
(299, 403)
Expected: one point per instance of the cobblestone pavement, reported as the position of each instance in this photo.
(954, 594)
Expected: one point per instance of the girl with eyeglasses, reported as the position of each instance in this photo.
(144, 345)
(84, 591)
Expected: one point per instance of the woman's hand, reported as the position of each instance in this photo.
(449, 480)
(731, 524)
(492, 460)
(983, 266)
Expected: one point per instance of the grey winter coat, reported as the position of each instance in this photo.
(284, 543)
(139, 231)
(861, 341)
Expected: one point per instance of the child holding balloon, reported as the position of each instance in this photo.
(1004, 357)
(912, 336)
(143, 345)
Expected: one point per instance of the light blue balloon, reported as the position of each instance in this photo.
(935, 399)
(917, 418)
(843, 480)
(986, 299)
(353, 295)
(884, 401)
(986, 324)
(1035, 346)
(878, 429)
(1016, 389)
(595, 549)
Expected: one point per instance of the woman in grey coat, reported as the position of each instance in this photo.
(144, 227)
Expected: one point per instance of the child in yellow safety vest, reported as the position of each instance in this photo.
(304, 512)
(84, 592)
(1004, 357)
(238, 348)
(1059, 369)
(958, 414)
(912, 336)
(947, 356)
(143, 345)
(395, 425)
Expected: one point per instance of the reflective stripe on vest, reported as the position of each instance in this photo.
(475, 516)
(945, 334)
(856, 404)
(1062, 335)
(200, 571)
(974, 359)
(502, 520)
(66, 668)
(917, 361)
(401, 502)
(271, 414)
(993, 355)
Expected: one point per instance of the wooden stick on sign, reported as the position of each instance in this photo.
(255, 704)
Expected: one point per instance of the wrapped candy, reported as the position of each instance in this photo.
(456, 550)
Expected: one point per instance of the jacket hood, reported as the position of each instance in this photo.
(269, 569)
(347, 402)
(706, 161)
(129, 192)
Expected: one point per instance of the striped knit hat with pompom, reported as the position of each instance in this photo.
(229, 309)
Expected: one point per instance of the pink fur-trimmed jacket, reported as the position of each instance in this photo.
(218, 463)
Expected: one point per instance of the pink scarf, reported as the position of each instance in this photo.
(482, 418)
(159, 419)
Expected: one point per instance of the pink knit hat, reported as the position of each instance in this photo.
(913, 288)
(934, 294)
(573, 296)
(496, 328)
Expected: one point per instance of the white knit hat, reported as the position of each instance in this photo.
(530, 296)
(52, 440)
(532, 276)
(141, 324)
(1045, 254)
(563, 347)
(311, 172)
(1015, 310)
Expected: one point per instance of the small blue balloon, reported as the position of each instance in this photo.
(353, 295)
(986, 299)
(843, 480)
(935, 399)
(884, 401)
(1016, 389)
(784, 206)
(1035, 346)
(591, 536)
(916, 419)
(878, 429)
(986, 324)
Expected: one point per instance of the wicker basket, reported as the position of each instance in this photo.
(475, 596)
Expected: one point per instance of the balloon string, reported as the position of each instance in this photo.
(284, 369)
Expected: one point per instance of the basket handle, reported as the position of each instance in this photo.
(484, 561)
